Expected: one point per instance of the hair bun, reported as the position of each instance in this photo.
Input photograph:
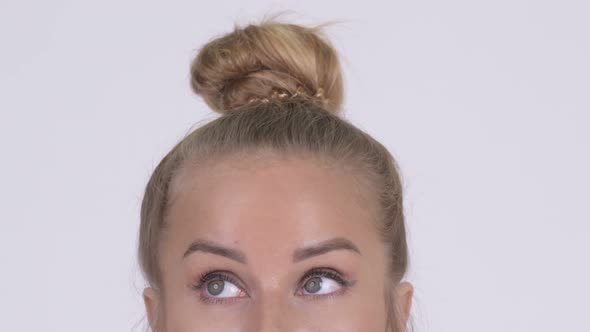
(268, 61)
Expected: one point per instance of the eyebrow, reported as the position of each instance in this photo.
(321, 248)
(216, 249)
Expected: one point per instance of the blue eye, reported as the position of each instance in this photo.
(217, 287)
(321, 285)
(220, 287)
(323, 282)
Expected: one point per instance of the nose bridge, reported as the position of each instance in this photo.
(270, 312)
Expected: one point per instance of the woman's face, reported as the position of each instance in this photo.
(270, 244)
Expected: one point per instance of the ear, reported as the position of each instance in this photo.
(150, 299)
(404, 293)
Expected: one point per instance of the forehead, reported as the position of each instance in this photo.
(270, 200)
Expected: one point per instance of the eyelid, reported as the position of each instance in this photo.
(328, 273)
(221, 275)
(229, 276)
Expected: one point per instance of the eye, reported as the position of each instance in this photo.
(222, 288)
(320, 285)
(217, 287)
(323, 282)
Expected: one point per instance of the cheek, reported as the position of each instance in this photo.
(186, 317)
(355, 314)
(367, 319)
(360, 316)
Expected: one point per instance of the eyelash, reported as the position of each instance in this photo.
(216, 275)
(314, 272)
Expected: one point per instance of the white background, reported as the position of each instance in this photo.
(483, 103)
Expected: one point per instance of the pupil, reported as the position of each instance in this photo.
(215, 287)
(313, 285)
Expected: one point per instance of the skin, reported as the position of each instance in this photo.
(268, 208)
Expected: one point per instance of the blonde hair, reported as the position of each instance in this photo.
(278, 86)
